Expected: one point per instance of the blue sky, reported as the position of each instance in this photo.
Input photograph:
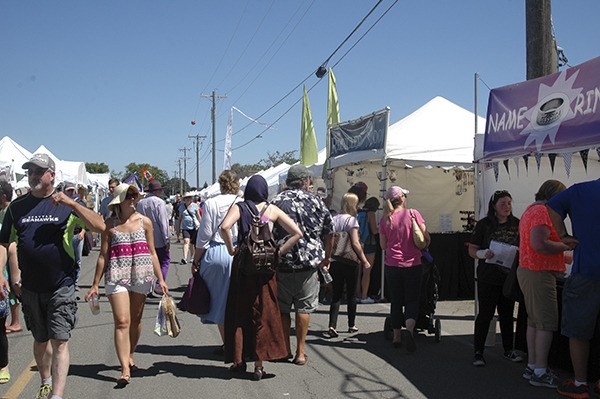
(120, 81)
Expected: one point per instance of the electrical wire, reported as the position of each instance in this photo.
(247, 45)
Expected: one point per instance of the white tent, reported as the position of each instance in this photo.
(66, 170)
(430, 153)
(12, 157)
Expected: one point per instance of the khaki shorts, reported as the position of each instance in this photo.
(539, 290)
(300, 289)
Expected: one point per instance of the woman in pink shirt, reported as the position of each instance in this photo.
(403, 269)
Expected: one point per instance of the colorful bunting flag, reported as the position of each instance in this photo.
(584, 158)
(567, 156)
(496, 171)
(308, 139)
(552, 158)
(538, 160)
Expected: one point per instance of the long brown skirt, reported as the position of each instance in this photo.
(253, 329)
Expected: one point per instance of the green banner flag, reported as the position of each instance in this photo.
(333, 115)
(308, 139)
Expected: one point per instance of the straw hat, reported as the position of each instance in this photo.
(120, 192)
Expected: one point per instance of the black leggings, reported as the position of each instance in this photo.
(404, 284)
(3, 344)
(491, 297)
(343, 274)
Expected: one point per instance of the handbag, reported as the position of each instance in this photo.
(417, 233)
(194, 219)
(196, 298)
(510, 288)
(343, 251)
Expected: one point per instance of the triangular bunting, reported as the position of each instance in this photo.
(517, 165)
(495, 166)
(552, 158)
(567, 156)
(505, 162)
(526, 160)
(584, 158)
(538, 160)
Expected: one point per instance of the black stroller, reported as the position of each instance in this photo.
(429, 297)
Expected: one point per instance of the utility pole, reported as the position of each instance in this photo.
(541, 47)
(184, 150)
(197, 144)
(214, 132)
(180, 181)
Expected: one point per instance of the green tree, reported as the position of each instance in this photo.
(277, 158)
(95, 167)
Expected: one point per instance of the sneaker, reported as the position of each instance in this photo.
(528, 373)
(478, 360)
(183, 261)
(547, 380)
(569, 389)
(513, 356)
(367, 300)
(44, 392)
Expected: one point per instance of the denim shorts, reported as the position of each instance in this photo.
(50, 315)
(581, 307)
(300, 289)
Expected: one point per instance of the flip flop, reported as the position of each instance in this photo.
(10, 330)
(4, 376)
(299, 362)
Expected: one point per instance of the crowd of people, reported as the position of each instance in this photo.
(253, 312)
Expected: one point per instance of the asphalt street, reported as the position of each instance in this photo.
(360, 365)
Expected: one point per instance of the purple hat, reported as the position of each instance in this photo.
(154, 185)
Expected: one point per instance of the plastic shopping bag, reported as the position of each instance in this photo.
(160, 326)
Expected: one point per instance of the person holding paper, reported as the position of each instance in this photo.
(499, 227)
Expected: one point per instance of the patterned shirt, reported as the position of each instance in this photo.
(314, 220)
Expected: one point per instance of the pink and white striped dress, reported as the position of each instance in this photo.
(129, 262)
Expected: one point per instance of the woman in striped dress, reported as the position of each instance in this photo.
(130, 265)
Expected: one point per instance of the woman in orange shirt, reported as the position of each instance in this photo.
(540, 260)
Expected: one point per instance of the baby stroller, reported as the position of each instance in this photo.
(429, 297)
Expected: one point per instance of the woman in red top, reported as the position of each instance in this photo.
(540, 260)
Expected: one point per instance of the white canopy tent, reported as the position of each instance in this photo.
(12, 158)
(429, 153)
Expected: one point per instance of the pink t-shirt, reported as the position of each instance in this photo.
(401, 250)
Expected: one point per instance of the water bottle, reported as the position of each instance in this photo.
(326, 276)
(94, 302)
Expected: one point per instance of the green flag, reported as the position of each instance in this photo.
(308, 139)
(333, 107)
(333, 114)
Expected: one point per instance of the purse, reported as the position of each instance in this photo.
(343, 251)
(196, 298)
(510, 288)
(417, 233)
(169, 309)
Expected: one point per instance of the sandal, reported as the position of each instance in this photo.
(299, 362)
(238, 367)
(258, 374)
(353, 330)
(4, 376)
(123, 380)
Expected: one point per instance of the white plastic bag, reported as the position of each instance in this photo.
(160, 325)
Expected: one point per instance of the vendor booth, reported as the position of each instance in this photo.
(429, 153)
(546, 128)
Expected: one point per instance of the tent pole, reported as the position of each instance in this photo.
(476, 302)
(383, 188)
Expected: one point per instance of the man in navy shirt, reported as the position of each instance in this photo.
(43, 222)
(581, 293)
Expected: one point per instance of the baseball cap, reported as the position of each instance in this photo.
(40, 160)
(297, 172)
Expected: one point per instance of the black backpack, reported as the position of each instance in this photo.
(259, 249)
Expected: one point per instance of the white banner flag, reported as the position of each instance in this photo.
(227, 150)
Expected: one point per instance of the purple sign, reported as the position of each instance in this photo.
(554, 113)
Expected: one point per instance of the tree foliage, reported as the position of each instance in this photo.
(95, 167)
(272, 159)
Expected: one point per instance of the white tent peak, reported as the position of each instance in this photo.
(439, 132)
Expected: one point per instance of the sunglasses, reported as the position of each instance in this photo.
(129, 196)
(36, 172)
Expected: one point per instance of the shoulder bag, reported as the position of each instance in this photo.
(417, 233)
(343, 251)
